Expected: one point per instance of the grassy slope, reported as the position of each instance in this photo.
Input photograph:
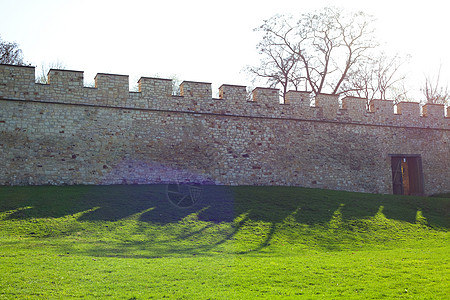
(244, 242)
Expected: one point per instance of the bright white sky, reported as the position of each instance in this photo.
(196, 40)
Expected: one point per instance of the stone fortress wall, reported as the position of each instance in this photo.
(65, 133)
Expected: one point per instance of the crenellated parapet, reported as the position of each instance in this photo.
(112, 90)
(434, 114)
(298, 99)
(65, 78)
(232, 93)
(382, 111)
(196, 90)
(230, 96)
(266, 97)
(408, 110)
(17, 82)
(356, 108)
(156, 88)
(328, 105)
(62, 86)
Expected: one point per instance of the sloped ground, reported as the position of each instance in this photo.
(130, 242)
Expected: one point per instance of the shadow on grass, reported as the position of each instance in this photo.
(113, 203)
(315, 206)
(220, 204)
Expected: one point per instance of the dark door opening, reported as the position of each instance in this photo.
(407, 175)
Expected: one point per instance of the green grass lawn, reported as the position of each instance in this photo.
(129, 242)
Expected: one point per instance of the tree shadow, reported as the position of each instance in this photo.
(44, 201)
(114, 203)
(219, 204)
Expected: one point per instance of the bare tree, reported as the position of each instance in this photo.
(377, 77)
(279, 69)
(278, 65)
(10, 53)
(324, 46)
(339, 41)
(434, 92)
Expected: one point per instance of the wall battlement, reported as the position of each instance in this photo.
(65, 86)
(65, 133)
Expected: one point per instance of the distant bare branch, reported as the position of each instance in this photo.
(378, 76)
(434, 92)
(42, 76)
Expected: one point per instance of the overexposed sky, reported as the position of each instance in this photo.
(209, 41)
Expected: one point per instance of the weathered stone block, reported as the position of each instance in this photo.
(383, 111)
(266, 96)
(158, 88)
(382, 106)
(408, 108)
(409, 113)
(16, 82)
(433, 110)
(329, 104)
(112, 89)
(298, 98)
(196, 90)
(434, 114)
(65, 78)
(235, 93)
(356, 107)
